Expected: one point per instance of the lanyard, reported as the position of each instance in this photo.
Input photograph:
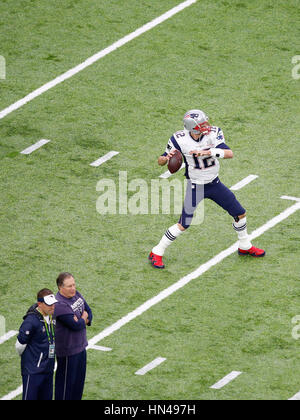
(52, 329)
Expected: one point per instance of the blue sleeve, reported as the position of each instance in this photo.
(172, 144)
(175, 144)
(89, 311)
(26, 330)
(223, 146)
(69, 322)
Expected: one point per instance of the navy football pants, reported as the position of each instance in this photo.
(215, 191)
(38, 387)
(70, 377)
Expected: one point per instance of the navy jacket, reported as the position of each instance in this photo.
(33, 333)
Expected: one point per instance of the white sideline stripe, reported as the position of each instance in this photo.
(228, 378)
(34, 147)
(101, 348)
(104, 158)
(185, 280)
(295, 397)
(167, 174)
(243, 182)
(91, 60)
(156, 362)
(273, 222)
(7, 336)
(12, 394)
(288, 197)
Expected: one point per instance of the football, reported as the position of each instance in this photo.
(175, 162)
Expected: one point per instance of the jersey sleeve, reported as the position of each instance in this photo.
(170, 147)
(220, 140)
(26, 330)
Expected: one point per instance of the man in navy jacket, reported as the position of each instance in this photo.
(36, 346)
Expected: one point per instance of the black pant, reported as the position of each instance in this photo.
(215, 191)
(70, 377)
(38, 387)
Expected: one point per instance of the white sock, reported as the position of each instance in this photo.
(241, 229)
(169, 237)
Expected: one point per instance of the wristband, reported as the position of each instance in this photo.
(217, 153)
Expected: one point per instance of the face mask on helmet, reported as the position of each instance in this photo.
(196, 122)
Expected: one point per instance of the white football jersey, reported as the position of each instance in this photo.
(200, 170)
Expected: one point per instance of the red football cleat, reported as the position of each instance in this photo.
(156, 260)
(253, 251)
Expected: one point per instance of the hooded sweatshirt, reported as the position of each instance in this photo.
(33, 334)
(71, 336)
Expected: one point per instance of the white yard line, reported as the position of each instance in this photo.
(243, 182)
(7, 336)
(91, 60)
(101, 348)
(288, 197)
(156, 362)
(187, 279)
(163, 294)
(104, 158)
(228, 378)
(34, 147)
(13, 394)
(296, 397)
(273, 222)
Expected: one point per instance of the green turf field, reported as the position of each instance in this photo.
(232, 59)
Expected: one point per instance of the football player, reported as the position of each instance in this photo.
(201, 146)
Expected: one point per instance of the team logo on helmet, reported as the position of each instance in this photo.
(196, 122)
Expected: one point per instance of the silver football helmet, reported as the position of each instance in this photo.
(196, 121)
